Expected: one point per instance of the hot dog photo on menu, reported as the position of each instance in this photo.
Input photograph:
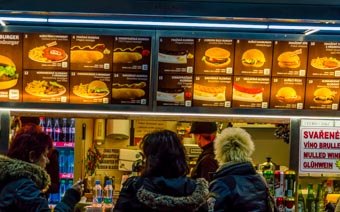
(91, 52)
(252, 92)
(131, 54)
(130, 88)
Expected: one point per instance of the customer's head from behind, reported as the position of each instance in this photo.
(31, 146)
(165, 155)
(204, 132)
(233, 144)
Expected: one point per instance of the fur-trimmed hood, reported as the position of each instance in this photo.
(12, 169)
(175, 201)
(233, 144)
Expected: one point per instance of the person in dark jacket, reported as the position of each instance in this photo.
(236, 185)
(204, 134)
(163, 185)
(23, 179)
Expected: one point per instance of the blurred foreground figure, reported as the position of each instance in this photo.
(204, 135)
(23, 179)
(163, 185)
(236, 185)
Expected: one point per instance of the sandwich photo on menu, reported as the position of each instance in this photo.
(324, 95)
(94, 89)
(287, 95)
(216, 57)
(247, 94)
(289, 59)
(8, 73)
(253, 58)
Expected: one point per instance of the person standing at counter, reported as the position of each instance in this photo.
(52, 167)
(236, 185)
(204, 135)
(23, 179)
(163, 185)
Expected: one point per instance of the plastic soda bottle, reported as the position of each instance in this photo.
(108, 194)
(72, 130)
(56, 130)
(97, 195)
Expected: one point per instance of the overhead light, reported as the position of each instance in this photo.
(2, 23)
(23, 19)
(157, 23)
(311, 31)
(304, 27)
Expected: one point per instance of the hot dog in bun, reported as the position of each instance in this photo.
(8, 73)
(324, 95)
(216, 57)
(289, 60)
(253, 58)
(246, 94)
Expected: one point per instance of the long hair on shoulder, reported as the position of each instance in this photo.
(165, 155)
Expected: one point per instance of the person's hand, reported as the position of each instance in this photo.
(78, 186)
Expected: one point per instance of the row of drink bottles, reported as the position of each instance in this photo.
(312, 202)
(64, 185)
(281, 185)
(103, 198)
(60, 129)
(66, 160)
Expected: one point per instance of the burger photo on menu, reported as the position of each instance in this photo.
(289, 59)
(216, 57)
(325, 63)
(47, 53)
(94, 89)
(324, 95)
(88, 54)
(129, 55)
(209, 93)
(287, 95)
(8, 73)
(247, 94)
(128, 91)
(44, 88)
(253, 58)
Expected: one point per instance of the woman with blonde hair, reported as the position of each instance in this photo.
(236, 186)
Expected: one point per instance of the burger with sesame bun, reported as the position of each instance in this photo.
(216, 57)
(253, 58)
(8, 73)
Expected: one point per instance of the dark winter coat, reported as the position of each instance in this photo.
(160, 194)
(206, 164)
(237, 187)
(21, 186)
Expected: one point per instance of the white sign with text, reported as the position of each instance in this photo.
(319, 150)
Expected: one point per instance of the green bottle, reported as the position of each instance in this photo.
(319, 201)
(301, 200)
(310, 200)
